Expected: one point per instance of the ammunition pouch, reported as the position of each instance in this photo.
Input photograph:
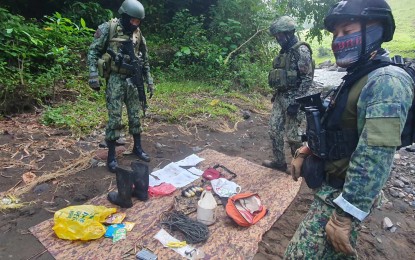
(292, 109)
(278, 78)
(312, 171)
(341, 143)
(120, 70)
(104, 66)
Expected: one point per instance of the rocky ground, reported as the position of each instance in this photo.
(47, 169)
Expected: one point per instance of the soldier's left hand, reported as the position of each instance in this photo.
(338, 231)
(150, 90)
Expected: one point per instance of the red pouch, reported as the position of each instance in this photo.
(211, 174)
(161, 190)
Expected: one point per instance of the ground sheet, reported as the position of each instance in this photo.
(226, 240)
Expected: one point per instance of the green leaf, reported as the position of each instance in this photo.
(83, 24)
(227, 38)
(9, 30)
(185, 50)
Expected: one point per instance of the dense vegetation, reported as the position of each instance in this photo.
(216, 47)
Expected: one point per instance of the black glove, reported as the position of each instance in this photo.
(150, 90)
(94, 81)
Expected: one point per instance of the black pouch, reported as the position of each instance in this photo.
(312, 171)
(292, 109)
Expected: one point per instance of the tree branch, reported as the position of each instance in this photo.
(237, 49)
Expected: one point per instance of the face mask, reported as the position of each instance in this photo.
(347, 49)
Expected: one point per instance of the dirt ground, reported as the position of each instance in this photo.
(65, 177)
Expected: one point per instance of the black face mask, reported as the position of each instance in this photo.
(128, 28)
(287, 40)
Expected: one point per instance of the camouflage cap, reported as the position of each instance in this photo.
(282, 24)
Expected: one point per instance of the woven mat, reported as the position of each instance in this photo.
(226, 240)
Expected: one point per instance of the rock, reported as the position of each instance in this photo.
(398, 183)
(412, 203)
(41, 188)
(408, 190)
(379, 240)
(340, 69)
(404, 180)
(159, 145)
(401, 194)
(93, 162)
(332, 68)
(396, 156)
(387, 223)
(197, 149)
(246, 114)
(393, 193)
(393, 229)
(388, 205)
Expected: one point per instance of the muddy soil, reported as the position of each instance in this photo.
(26, 146)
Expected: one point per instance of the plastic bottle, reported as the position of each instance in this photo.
(206, 207)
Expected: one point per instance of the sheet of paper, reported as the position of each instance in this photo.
(154, 182)
(191, 160)
(175, 175)
(195, 171)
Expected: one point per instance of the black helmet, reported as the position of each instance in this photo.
(133, 8)
(362, 10)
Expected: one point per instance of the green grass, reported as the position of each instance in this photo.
(175, 102)
(403, 42)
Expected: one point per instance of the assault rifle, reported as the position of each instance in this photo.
(315, 134)
(135, 65)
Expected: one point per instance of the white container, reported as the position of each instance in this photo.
(206, 207)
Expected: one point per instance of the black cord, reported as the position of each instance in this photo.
(193, 231)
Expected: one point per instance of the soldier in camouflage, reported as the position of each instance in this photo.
(291, 77)
(377, 105)
(110, 35)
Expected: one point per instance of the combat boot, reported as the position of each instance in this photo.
(122, 198)
(111, 160)
(138, 150)
(140, 179)
(275, 165)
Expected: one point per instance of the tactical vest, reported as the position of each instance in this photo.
(115, 39)
(282, 74)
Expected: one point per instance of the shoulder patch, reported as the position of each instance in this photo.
(97, 33)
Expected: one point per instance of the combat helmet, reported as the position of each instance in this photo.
(133, 8)
(363, 11)
(282, 24)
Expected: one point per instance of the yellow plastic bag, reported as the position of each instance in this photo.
(81, 222)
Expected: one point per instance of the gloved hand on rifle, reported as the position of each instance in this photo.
(94, 81)
(150, 90)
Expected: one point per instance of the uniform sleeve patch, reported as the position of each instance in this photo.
(383, 124)
(97, 33)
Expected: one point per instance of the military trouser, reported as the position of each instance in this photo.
(310, 241)
(282, 125)
(119, 92)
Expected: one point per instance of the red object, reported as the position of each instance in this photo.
(211, 174)
(245, 209)
(161, 190)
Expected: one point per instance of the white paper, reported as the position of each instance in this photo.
(191, 160)
(175, 175)
(195, 171)
(165, 238)
(154, 182)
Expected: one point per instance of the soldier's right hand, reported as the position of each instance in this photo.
(94, 81)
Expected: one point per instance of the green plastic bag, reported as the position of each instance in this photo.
(81, 222)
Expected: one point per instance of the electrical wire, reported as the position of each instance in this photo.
(193, 231)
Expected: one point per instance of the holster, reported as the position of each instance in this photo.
(312, 170)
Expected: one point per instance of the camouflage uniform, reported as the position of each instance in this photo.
(281, 124)
(380, 113)
(118, 91)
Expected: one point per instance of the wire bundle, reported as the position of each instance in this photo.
(194, 232)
